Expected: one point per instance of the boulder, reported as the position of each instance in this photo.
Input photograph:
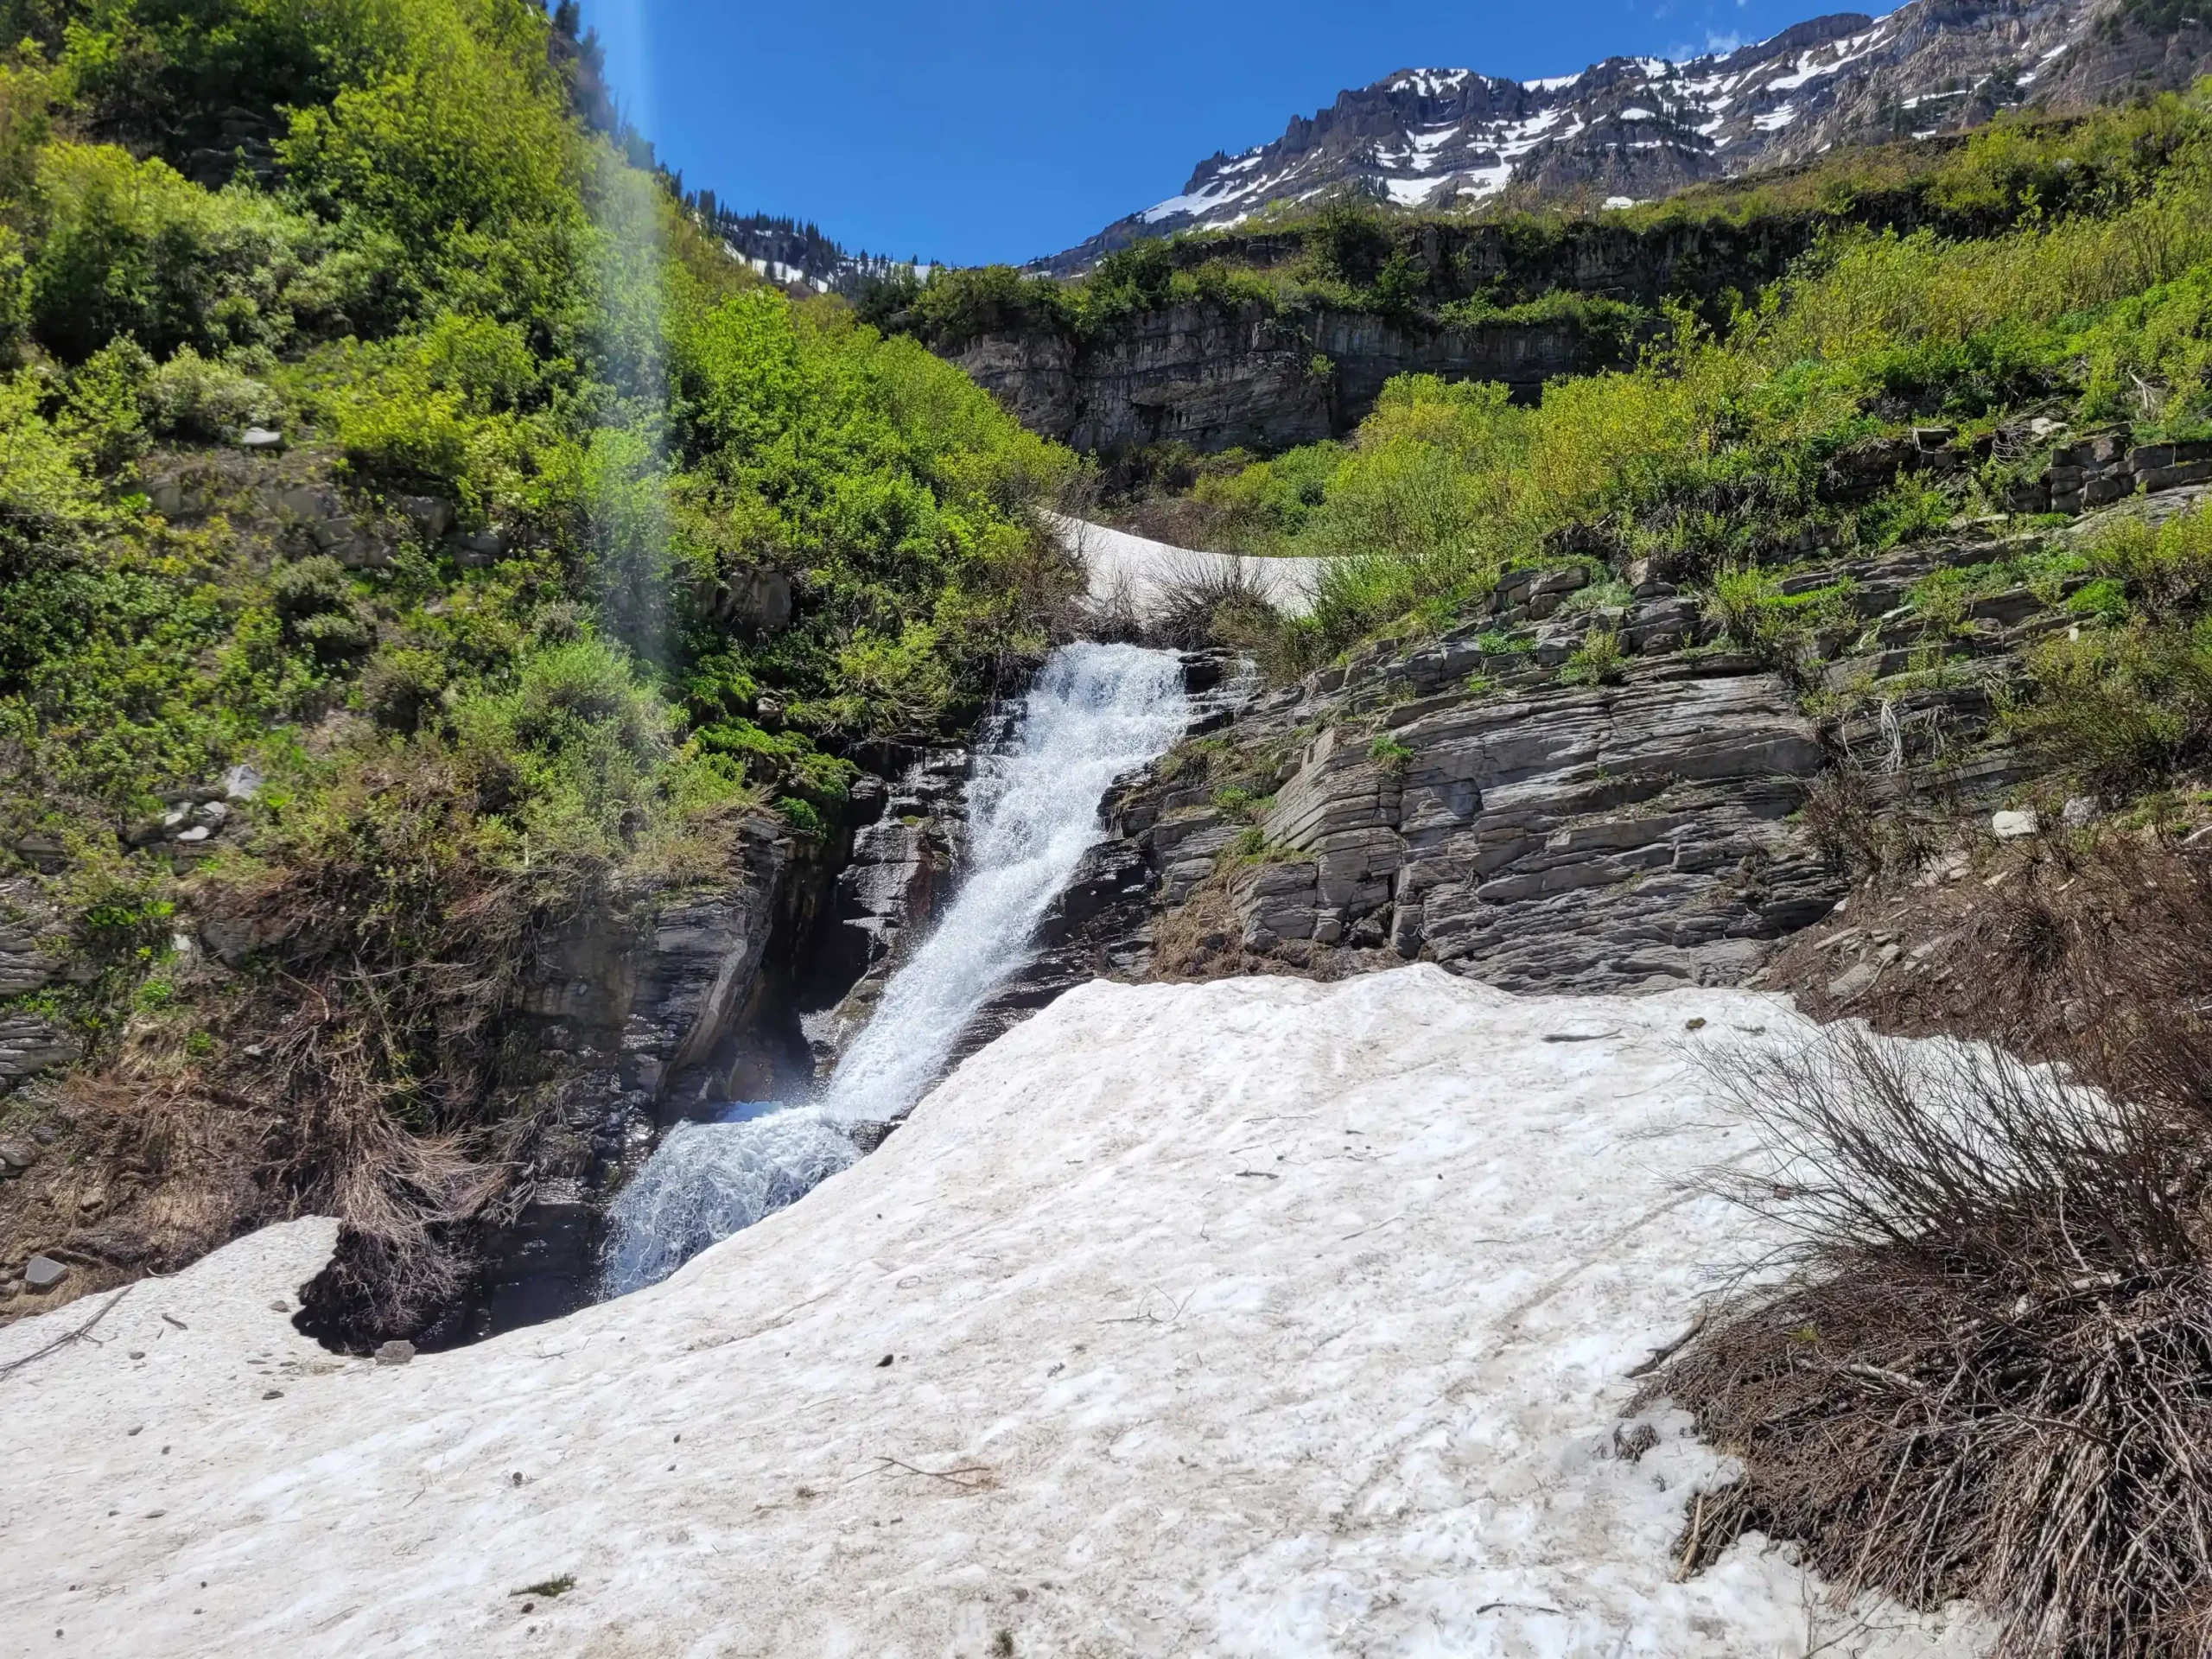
(1854, 982)
(2014, 825)
(42, 1272)
(430, 515)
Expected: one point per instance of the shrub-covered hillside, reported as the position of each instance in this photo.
(374, 422)
(1750, 436)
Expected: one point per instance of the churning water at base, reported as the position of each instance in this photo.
(707, 1180)
(1094, 713)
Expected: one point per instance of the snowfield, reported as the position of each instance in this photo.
(1122, 566)
(1259, 1317)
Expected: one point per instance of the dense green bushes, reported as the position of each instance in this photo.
(458, 290)
(1713, 454)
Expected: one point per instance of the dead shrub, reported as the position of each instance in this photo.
(377, 1009)
(1220, 601)
(1113, 616)
(2094, 952)
(1861, 828)
(1987, 1372)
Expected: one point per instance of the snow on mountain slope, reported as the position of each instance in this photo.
(1632, 128)
(1258, 1317)
(1122, 569)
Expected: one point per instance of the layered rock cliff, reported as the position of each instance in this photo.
(1217, 376)
(1586, 789)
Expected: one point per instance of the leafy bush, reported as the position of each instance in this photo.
(2165, 569)
(191, 397)
(132, 248)
(2120, 707)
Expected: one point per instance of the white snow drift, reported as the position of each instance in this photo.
(1259, 1317)
(1141, 571)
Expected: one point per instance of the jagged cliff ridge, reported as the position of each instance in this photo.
(1634, 129)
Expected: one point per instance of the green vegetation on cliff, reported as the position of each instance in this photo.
(1743, 439)
(562, 542)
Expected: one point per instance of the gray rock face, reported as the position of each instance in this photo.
(657, 996)
(899, 875)
(26, 963)
(1215, 376)
(1611, 839)
(29, 1044)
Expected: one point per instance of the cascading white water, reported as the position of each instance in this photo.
(1094, 713)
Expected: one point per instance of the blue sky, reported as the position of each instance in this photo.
(972, 130)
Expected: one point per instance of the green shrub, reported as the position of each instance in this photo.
(2121, 709)
(132, 248)
(2165, 569)
(1390, 756)
(315, 600)
(193, 396)
(1599, 660)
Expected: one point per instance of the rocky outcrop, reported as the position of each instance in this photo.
(1600, 838)
(1615, 838)
(892, 887)
(29, 949)
(31, 958)
(1216, 376)
(30, 1043)
(1573, 790)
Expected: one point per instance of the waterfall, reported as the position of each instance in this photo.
(1094, 713)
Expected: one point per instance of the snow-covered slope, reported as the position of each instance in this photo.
(1139, 572)
(1631, 128)
(1256, 1317)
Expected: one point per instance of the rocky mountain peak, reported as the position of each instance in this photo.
(1629, 130)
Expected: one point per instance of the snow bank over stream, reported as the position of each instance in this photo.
(1259, 1317)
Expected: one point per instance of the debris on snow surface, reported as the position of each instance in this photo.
(1260, 1317)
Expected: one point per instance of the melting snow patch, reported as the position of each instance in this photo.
(1260, 1317)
